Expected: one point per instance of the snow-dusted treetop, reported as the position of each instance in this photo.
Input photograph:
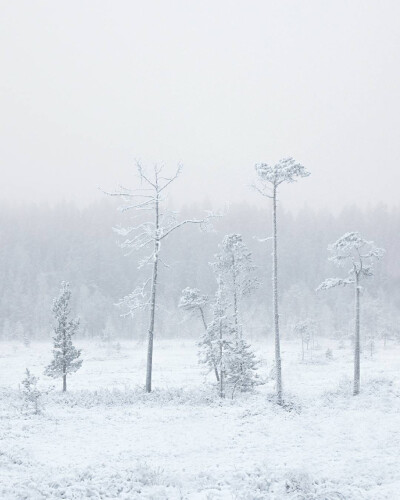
(359, 253)
(286, 170)
(150, 196)
(192, 299)
(234, 262)
(147, 236)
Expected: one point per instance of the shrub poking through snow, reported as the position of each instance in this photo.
(65, 355)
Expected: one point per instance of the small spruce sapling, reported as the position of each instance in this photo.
(65, 355)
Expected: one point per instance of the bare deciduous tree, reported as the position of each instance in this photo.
(150, 196)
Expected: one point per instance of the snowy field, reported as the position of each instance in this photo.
(107, 439)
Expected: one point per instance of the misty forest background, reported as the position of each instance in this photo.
(42, 245)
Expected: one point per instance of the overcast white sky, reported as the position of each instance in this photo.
(87, 86)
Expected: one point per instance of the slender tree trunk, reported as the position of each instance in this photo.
(205, 328)
(235, 299)
(278, 363)
(356, 389)
(64, 363)
(149, 369)
(222, 371)
(203, 319)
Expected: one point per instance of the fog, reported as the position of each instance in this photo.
(218, 331)
(89, 86)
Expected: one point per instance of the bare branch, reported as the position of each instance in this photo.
(260, 191)
(188, 221)
(143, 176)
(171, 179)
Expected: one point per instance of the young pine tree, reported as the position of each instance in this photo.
(226, 352)
(65, 355)
(242, 373)
(30, 392)
(235, 265)
(215, 346)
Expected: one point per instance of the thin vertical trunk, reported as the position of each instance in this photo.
(205, 328)
(153, 303)
(357, 340)
(203, 318)
(222, 371)
(235, 299)
(64, 364)
(278, 363)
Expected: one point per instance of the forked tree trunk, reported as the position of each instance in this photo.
(278, 363)
(356, 389)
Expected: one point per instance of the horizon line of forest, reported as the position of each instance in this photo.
(41, 245)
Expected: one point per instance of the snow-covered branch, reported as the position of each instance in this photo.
(334, 282)
(202, 222)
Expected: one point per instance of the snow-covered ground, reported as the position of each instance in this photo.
(107, 439)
